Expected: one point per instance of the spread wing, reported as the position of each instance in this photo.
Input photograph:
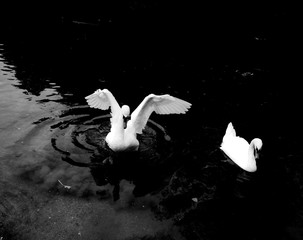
(161, 104)
(104, 99)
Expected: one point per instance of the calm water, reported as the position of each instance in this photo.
(54, 182)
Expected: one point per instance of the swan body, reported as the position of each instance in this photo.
(121, 138)
(239, 150)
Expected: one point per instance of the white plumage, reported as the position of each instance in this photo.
(122, 139)
(239, 150)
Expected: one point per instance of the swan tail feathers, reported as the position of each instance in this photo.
(230, 130)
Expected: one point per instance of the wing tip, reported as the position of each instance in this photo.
(98, 99)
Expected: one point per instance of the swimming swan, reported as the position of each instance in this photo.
(239, 150)
(125, 139)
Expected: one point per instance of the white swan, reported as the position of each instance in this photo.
(125, 139)
(239, 150)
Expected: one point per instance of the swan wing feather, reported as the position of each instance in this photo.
(161, 104)
(104, 99)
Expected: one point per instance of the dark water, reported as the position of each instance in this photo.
(56, 179)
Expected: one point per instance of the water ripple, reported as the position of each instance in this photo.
(74, 153)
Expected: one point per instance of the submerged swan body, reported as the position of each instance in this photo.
(239, 150)
(125, 139)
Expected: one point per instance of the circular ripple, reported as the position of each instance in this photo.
(78, 135)
(77, 132)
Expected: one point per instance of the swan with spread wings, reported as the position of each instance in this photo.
(125, 139)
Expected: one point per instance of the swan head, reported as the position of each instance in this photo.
(257, 145)
(125, 111)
